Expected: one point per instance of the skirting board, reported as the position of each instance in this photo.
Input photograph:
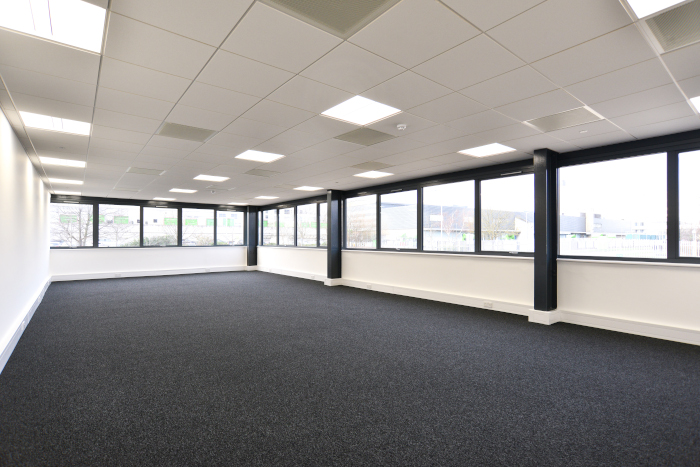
(287, 272)
(20, 326)
(160, 272)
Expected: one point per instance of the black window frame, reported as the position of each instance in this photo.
(294, 204)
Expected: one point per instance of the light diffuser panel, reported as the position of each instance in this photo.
(360, 111)
(63, 125)
(643, 8)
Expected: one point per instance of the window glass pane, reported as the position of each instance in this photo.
(448, 217)
(323, 220)
(159, 226)
(229, 227)
(399, 220)
(286, 221)
(71, 225)
(362, 222)
(197, 227)
(508, 214)
(306, 225)
(614, 208)
(119, 225)
(269, 227)
(689, 191)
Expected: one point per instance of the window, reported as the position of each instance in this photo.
(269, 227)
(119, 226)
(362, 222)
(508, 214)
(323, 224)
(689, 203)
(159, 226)
(230, 228)
(399, 220)
(286, 220)
(448, 217)
(307, 227)
(614, 208)
(197, 227)
(71, 225)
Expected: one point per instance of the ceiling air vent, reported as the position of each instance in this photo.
(262, 173)
(139, 170)
(371, 166)
(564, 119)
(342, 18)
(365, 136)
(677, 27)
(190, 133)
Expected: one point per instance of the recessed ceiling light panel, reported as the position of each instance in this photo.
(61, 162)
(164, 199)
(211, 178)
(308, 188)
(266, 197)
(373, 174)
(360, 111)
(488, 150)
(696, 102)
(63, 125)
(644, 8)
(238, 204)
(66, 182)
(59, 192)
(259, 156)
(72, 22)
(182, 190)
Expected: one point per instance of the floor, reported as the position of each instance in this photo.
(251, 368)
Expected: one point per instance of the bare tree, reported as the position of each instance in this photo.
(71, 225)
(495, 224)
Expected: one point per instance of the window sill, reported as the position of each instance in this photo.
(633, 263)
(431, 253)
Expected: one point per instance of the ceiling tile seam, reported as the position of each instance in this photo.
(163, 29)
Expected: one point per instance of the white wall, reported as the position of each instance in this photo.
(506, 282)
(101, 263)
(309, 263)
(24, 238)
(650, 293)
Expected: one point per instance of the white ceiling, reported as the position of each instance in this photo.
(464, 72)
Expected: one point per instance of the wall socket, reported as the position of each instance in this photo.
(488, 305)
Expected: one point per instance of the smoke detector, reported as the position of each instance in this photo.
(401, 126)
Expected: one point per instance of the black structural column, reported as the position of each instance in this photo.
(335, 237)
(546, 230)
(252, 236)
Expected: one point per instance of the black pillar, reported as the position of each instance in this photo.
(546, 230)
(335, 235)
(252, 225)
(673, 233)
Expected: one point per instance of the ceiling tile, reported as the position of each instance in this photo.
(657, 115)
(399, 35)
(164, 152)
(125, 122)
(352, 69)
(584, 131)
(691, 86)
(474, 61)
(59, 142)
(207, 21)
(117, 134)
(325, 127)
(329, 148)
(448, 108)
(241, 74)
(485, 15)
(556, 25)
(645, 100)
(173, 143)
(135, 79)
(436, 134)
(277, 114)
(529, 144)
(35, 54)
(412, 122)
(141, 44)
(47, 86)
(406, 90)
(199, 118)
(215, 99)
(603, 140)
(289, 142)
(549, 103)
(270, 36)
(103, 150)
(630, 80)
(42, 106)
(253, 129)
(666, 128)
(481, 122)
(132, 104)
(306, 94)
(509, 87)
(683, 63)
(235, 143)
(604, 54)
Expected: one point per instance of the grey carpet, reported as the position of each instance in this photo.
(258, 369)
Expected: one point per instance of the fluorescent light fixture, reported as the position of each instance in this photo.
(643, 8)
(67, 182)
(373, 174)
(308, 188)
(182, 190)
(74, 193)
(238, 204)
(211, 178)
(63, 125)
(163, 199)
(360, 111)
(696, 102)
(63, 162)
(266, 197)
(488, 150)
(72, 22)
(259, 156)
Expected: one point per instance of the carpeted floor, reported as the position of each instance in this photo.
(249, 368)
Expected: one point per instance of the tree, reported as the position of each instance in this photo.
(71, 225)
(495, 223)
(117, 227)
